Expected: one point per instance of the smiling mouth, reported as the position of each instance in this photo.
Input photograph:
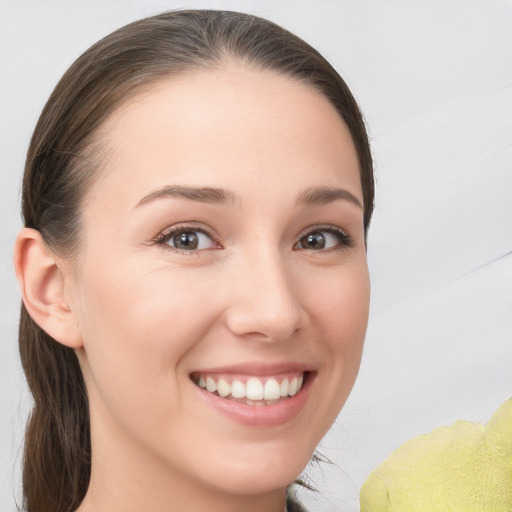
(252, 390)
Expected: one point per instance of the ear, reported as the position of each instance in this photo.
(42, 288)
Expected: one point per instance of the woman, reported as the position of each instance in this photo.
(196, 199)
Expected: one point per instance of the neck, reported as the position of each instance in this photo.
(118, 500)
(106, 494)
(125, 478)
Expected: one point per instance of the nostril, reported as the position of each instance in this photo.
(264, 304)
(255, 324)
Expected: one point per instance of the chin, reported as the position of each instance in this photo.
(255, 481)
(262, 471)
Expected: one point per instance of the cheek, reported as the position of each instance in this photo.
(136, 331)
(144, 309)
(338, 311)
(340, 306)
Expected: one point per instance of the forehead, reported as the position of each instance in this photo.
(210, 127)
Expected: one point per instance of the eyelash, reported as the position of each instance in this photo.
(344, 239)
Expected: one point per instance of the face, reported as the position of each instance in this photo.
(223, 290)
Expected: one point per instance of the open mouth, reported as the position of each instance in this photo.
(252, 390)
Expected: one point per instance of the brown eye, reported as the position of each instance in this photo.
(314, 241)
(185, 241)
(325, 238)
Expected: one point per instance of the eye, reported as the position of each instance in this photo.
(187, 239)
(322, 238)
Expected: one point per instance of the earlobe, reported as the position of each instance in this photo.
(42, 287)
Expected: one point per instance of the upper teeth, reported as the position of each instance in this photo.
(254, 388)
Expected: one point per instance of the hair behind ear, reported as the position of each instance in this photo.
(57, 455)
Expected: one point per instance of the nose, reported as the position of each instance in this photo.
(265, 302)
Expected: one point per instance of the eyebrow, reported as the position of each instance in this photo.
(212, 195)
(209, 195)
(323, 195)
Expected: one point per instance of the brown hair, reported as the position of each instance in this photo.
(62, 162)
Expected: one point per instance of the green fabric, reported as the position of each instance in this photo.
(466, 467)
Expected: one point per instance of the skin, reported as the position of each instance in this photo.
(142, 316)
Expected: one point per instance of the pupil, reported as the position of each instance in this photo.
(314, 241)
(185, 240)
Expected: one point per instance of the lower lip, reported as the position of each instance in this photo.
(261, 415)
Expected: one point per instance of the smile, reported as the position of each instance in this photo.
(256, 394)
(251, 390)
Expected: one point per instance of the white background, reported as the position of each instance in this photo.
(433, 79)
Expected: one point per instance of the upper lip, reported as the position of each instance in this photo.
(258, 369)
